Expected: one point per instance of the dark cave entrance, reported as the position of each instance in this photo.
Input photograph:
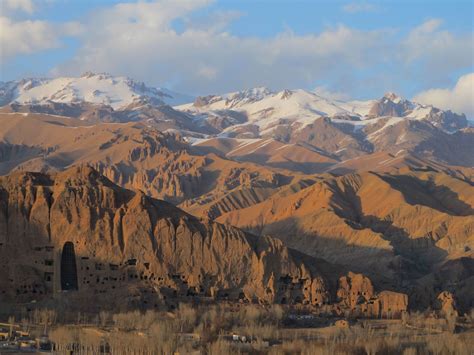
(68, 267)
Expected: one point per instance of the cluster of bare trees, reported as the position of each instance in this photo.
(209, 329)
(187, 329)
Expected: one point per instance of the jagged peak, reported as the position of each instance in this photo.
(90, 74)
(256, 93)
(285, 94)
(395, 98)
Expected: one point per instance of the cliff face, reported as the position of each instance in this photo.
(410, 231)
(126, 240)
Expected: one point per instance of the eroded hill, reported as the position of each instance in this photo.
(406, 230)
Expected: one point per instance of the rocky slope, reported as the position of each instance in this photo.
(143, 252)
(307, 124)
(403, 230)
(135, 156)
(326, 142)
(270, 113)
(382, 188)
(163, 165)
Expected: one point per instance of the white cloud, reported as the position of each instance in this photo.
(17, 5)
(439, 52)
(354, 7)
(458, 99)
(139, 40)
(175, 43)
(213, 22)
(24, 37)
(29, 36)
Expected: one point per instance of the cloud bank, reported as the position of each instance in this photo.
(141, 40)
(458, 99)
(19, 37)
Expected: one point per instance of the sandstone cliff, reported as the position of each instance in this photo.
(126, 240)
(76, 235)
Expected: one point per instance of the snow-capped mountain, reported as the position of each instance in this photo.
(338, 130)
(263, 105)
(252, 113)
(334, 129)
(117, 92)
(295, 129)
(267, 112)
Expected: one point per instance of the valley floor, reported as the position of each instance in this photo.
(226, 329)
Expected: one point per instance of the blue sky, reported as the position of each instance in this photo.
(356, 49)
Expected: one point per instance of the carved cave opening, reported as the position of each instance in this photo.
(68, 268)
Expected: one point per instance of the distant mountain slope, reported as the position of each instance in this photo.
(308, 133)
(134, 156)
(104, 89)
(383, 187)
(269, 152)
(268, 112)
(202, 176)
(320, 130)
(327, 146)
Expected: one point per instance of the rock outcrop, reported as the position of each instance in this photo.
(356, 294)
(125, 240)
(446, 303)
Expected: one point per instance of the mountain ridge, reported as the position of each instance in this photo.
(98, 88)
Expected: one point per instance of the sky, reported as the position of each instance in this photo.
(421, 49)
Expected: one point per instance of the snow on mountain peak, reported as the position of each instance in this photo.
(266, 111)
(97, 88)
(254, 110)
(248, 95)
(286, 94)
(392, 97)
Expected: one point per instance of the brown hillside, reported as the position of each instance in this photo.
(397, 228)
(134, 156)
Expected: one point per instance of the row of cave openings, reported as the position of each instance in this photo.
(69, 279)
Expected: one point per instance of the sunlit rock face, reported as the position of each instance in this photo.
(122, 240)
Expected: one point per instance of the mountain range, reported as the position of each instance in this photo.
(293, 129)
(381, 188)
